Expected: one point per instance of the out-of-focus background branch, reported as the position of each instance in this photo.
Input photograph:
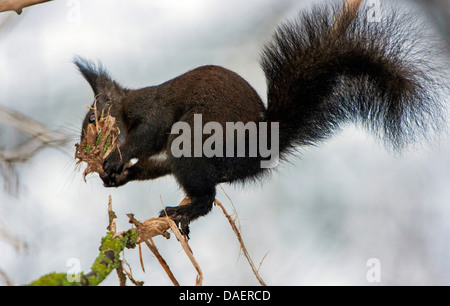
(40, 137)
(18, 5)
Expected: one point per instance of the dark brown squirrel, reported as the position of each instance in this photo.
(324, 69)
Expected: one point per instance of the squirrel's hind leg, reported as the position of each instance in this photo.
(196, 177)
(199, 205)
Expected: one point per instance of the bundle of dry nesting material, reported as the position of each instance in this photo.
(100, 139)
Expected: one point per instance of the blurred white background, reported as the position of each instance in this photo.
(317, 221)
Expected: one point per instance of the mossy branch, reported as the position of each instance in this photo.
(108, 260)
(114, 243)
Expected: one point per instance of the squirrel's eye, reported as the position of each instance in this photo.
(92, 118)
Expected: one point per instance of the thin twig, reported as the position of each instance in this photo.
(233, 207)
(112, 226)
(183, 241)
(141, 260)
(238, 235)
(264, 257)
(151, 245)
(147, 239)
(121, 275)
(130, 274)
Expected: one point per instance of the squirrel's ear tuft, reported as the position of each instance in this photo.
(93, 73)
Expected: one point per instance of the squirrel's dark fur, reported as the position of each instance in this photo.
(320, 75)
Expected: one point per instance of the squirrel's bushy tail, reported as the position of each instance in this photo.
(379, 74)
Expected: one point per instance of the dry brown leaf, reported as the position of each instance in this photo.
(99, 141)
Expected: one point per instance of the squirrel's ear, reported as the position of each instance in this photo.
(111, 90)
(98, 78)
(91, 72)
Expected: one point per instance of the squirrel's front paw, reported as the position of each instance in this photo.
(113, 164)
(115, 179)
(114, 174)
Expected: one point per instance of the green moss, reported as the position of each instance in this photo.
(99, 138)
(108, 143)
(104, 264)
(53, 279)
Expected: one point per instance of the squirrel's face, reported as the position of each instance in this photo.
(101, 107)
(88, 119)
(95, 112)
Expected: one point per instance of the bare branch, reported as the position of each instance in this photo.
(146, 236)
(30, 127)
(18, 5)
(244, 249)
(6, 279)
(183, 241)
(40, 137)
(159, 226)
(14, 240)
